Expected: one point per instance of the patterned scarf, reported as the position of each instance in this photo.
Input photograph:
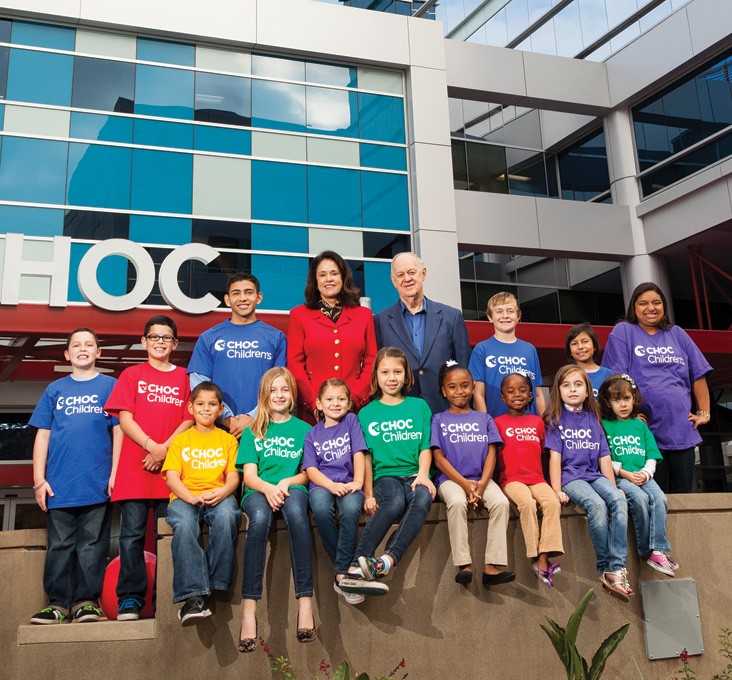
(331, 312)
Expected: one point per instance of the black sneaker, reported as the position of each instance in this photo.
(129, 609)
(194, 608)
(87, 613)
(49, 615)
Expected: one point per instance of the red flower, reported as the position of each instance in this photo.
(684, 654)
(265, 649)
(402, 664)
(324, 666)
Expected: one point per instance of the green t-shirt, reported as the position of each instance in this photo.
(631, 443)
(395, 435)
(278, 456)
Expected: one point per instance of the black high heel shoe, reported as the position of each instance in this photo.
(248, 645)
(305, 635)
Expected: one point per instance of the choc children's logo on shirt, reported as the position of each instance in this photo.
(160, 394)
(658, 355)
(204, 459)
(241, 349)
(393, 430)
(71, 406)
(578, 438)
(508, 364)
(333, 449)
(282, 447)
(627, 445)
(523, 434)
(457, 433)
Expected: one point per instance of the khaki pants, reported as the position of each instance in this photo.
(457, 522)
(526, 498)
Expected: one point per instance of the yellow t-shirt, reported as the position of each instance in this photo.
(202, 458)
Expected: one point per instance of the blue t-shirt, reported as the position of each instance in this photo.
(492, 360)
(80, 446)
(236, 357)
(598, 377)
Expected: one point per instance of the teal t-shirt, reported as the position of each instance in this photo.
(395, 435)
(278, 456)
(631, 443)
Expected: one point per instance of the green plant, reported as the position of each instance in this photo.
(564, 642)
(725, 649)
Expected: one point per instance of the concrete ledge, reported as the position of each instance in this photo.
(102, 631)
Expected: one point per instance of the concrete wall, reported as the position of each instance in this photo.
(440, 628)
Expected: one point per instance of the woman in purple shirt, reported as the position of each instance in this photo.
(669, 369)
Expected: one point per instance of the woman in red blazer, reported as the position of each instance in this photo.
(331, 335)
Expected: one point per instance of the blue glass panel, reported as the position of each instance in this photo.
(20, 179)
(166, 92)
(103, 84)
(382, 117)
(330, 74)
(151, 229)
(31, 221)
(386, 157)
(223, 140)
(96, 225)
(101, 128)
(4, 59)
(2, 115)
(279, 106)
(279, 238)
(111, 273)
(332, 112)
(334, 196)
(223, 99)
(279, 192)
(5, 28)
(281, 278)
(162, 181)
(40, 77)
(160, 133)
(99, 176)
(378, 285)
(385, 201)
(166, 51)
(278, 67)
(44, 35)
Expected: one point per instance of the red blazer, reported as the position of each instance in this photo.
(318, 349)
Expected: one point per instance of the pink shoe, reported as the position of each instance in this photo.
(658, 561)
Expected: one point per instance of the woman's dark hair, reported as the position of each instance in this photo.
(576, 330)
(613, 387)
(350, 293)
(630, 316)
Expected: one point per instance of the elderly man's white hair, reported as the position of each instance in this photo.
(406, 252)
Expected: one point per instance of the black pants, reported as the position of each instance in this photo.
(675, 473)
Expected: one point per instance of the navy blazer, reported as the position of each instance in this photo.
(445, 337)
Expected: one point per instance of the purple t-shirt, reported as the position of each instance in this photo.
(464, 439)
(581, 441)
(664, 366)
(331, 449)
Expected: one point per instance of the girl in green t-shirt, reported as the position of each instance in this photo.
(270, 456)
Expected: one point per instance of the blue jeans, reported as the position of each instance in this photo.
(397, 502)
(607, 514)
(78, 546)
(133, 527)
(197, 571)
(339, 538)
(295, 513)
(647, 505)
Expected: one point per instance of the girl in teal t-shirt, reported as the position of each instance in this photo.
(397, 485)
(270, 456)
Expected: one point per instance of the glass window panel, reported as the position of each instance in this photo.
(538, 8)
(381, 117)
(5, 29)
(40, 77)
(539, 305)
(97, 226)
(223, 60)
(385, 201)
(332, 151)
(101, 128)
(223, 140)
(166, 92)
(31, 221)
(279, 192)
(347, 242)
(331, 112)
(330, 74)
(543, 39)
(280, 106)
(377, 285)
(111, 273)
(277, 145)
(384, 245)
(623, 38)
(334, 196)
(496, 30)
(486, 168)
(32, 120)
(523, 130)
(106, 44)
(568, 31)
(221, 187)
(220, 234)
(4, 58)
(103, 84)
(380, 81)
(526, 173)
(459, 165)
(165, 51)
(469, 301)
(223, 99)
(28, 516)
(517, 17)
(386, 157)
(655, 15)
(455, 109)
(279, 238)
(161, 181)
(169, 230)
(99, 176)
(43, 35)
(619, 10)
(281, 279)
(161, 133)
(278, 67)
(20, 179)
(593, 19)
(201, 279)
(583, 169)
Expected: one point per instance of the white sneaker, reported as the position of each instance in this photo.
(351, 598)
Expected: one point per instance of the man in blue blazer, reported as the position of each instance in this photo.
(428, 332)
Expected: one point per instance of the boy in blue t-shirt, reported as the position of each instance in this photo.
(72, 464)
(493, 359)
(236, 353)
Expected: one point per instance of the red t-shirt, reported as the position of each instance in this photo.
(519, 459)
(158, 401)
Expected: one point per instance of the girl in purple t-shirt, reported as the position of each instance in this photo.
(334, 461)
(581, 471)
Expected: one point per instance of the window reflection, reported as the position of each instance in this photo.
(103, 84)
(280, 106)
(223, 99)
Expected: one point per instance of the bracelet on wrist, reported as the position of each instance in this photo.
(704, 414)
(39, 485)
(144, 446)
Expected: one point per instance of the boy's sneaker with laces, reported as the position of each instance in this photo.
(658, 561)
(351, 598)
(373, 568)
(87, 613)
(194, 608)
(129, 609)
(48, 615)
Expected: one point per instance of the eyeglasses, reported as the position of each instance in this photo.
(164, 338)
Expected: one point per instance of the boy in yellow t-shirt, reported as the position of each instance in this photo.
(199, 471)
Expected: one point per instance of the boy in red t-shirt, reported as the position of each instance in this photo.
(151, 401)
